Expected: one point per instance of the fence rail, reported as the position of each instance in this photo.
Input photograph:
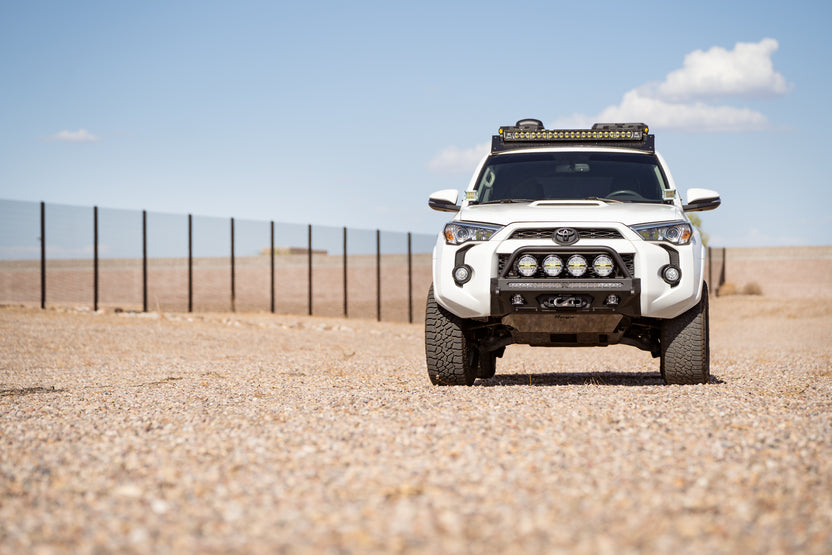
(139, 260)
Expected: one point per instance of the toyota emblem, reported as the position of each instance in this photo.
(566, 236)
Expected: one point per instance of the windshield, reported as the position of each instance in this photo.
(611, 176)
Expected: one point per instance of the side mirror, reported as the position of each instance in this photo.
(444, 200)
(701, 199)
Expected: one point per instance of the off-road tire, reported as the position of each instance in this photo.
(685, 346)
(451, 357)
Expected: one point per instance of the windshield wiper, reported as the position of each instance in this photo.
(604, 199)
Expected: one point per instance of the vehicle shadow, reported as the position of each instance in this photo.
(635, 379)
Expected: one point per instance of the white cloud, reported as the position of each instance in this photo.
(80, 136)
(659, 114)
(684, 100)
(746, 71)
(455, 160)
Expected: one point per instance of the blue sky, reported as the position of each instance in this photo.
(351, 114)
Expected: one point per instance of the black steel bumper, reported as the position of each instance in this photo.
(589, 296)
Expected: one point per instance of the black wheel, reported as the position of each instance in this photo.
(487, 366)
(451, 357)
(685, 346)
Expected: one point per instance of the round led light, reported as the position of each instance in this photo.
(576, 265)
(527, 265)
(552, 265)
(462, 274)
(671, 274)
(602, 265)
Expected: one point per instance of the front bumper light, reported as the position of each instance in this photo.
(458, 233)
(678, 233)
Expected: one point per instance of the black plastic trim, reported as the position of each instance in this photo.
(459, 260)
(673, 254)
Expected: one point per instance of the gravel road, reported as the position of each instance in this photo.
(277, 434)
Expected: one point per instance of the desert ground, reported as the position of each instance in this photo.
(260, 433)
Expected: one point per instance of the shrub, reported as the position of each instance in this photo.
(752, 288)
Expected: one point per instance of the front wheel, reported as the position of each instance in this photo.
(451, 357)
(686, 345)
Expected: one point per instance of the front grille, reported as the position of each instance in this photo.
(624, 263)
(583, 233)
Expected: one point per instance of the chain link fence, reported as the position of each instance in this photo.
(59, 255)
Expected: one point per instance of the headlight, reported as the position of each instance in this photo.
(678, 233)
(458, 233)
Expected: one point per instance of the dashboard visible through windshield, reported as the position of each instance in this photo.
(522, 177)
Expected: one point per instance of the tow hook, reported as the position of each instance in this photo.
(566, 301)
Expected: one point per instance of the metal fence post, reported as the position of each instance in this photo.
(309, 268)
(43, 255)
(409, 278)
(378, 275)
(190, 263)
(233, 291)
(95, 258)
(144, 260)
(346, 309)
(271, 262)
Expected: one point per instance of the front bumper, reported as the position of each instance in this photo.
(588, 296)
(641, 290)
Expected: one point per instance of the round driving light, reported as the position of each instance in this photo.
(527, 265)
(552, 265)
(462, 273)
(602, 265)
(671, 274)
(576, 265)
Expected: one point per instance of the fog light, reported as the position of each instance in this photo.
(671, 274)
(576, 265)
(518, 300)
(462, 274)
(612, 300)
(527, 265)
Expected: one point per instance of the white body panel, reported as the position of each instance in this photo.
(658, 299)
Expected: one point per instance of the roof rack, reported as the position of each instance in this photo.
(529, 133)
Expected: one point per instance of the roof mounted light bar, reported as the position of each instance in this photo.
(529, 133)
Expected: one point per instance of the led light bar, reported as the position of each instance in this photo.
(599, 132)
(529, 133)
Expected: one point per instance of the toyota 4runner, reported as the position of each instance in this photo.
(568, 238)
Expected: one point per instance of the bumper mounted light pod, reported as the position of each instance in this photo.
(527, 265)
(552, 265)
(602, 265)
(576, 265)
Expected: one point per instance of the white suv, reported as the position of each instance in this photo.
(568, 238)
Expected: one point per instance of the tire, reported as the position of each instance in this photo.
(451, 357)
(686, 347)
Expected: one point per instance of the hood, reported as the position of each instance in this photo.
(571, 211)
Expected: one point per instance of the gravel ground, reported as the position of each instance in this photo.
(258, 433)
